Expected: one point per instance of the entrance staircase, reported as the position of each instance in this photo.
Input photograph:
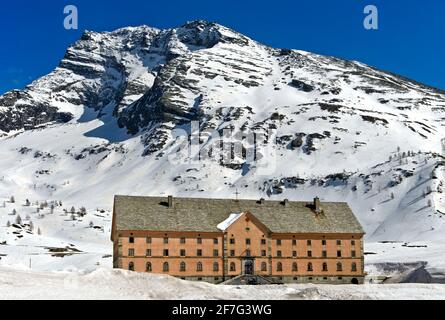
(251, 280)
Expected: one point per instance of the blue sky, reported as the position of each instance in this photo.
(410, 39)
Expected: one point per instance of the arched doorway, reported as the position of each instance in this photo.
(249, 267)
(354, 281)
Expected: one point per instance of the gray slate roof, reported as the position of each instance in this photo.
(203, 215)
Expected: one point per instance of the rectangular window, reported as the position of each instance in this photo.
(263, 242)
(323, 242)
(131, 252)
(279, 253)
(294, 242)
(148, 253)
(148, 240)
(263, 253)
(199, 253)
(183, 253)
(199, 240)
(353, 254)
(166, 253)
(338, 242)
(215, 241)
(248, 242)
(324, 254)
(352, 242)
(278, 242)
(182, 240)
(232, 241)
(309, 254)
(215, 253)
(232, 253)
(338, 254)
(165, 240)
(309, 242)
(131, 240)
(294, 253)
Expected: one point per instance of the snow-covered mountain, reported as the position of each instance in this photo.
(104, 123)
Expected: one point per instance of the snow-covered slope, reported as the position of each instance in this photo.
(103, 123)
(105, 284)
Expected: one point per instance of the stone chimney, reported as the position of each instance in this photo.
(170, 201)
(317, 205)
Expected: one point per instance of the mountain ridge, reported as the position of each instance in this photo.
(105, 121)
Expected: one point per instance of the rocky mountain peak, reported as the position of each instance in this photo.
(337, 128)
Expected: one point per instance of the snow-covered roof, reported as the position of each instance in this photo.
(223, 226)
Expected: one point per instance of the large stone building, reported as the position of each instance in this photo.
(216, 240)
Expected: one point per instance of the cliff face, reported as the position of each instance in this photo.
(336, 128)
